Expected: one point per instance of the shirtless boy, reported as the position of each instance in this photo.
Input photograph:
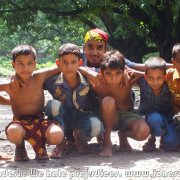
(27, 106)
(117, 104)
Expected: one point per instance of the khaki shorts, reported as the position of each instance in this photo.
(124, 119)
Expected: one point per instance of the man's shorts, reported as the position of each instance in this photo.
(124, 119)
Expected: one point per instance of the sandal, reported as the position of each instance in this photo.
(57, 152)
(150, 145)
(82, 146)
(21, 153)
(100, 139)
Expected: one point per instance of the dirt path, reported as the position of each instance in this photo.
(127, 165)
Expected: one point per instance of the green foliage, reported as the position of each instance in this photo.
(144, 25)
(147, 56)
(44, 62)
(6, 65)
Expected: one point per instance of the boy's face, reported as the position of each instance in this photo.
(113, 77)
(68, 64)
(24, 65)
(94, 50)
(176, 62)
(155, 78)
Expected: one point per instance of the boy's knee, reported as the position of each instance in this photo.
(52, 108)
(96, 127)
(155, 119)
(156, 123)
(108, 103)
(141, 130)
(15, 133)
(54, 135)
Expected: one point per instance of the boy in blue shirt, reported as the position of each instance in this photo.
(71, 106)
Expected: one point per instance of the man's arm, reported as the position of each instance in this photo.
(133, 65)
(141, 66)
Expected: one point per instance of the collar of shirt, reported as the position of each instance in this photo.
(176, 75)
(61, 80)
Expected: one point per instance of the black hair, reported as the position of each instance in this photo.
(155, 63)
(69, 48)
(23, 50)
(112, 59)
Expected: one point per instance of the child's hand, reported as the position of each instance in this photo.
(94, 79)
(134, 75)
(16, 84)
(125, 80)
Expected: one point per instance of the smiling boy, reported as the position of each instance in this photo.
(27, 106)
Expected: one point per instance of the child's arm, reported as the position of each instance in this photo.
(4, 101)
(93, 77)
(46, 72)
(6, 88)
(134, 75)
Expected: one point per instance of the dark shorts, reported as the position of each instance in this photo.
(124, 119)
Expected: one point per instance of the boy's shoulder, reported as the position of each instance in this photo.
(5, 86)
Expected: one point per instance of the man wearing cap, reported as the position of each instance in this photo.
(95, 45)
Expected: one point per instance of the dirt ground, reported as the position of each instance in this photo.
(122, 165)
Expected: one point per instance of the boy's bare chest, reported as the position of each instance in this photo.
(28, 93)
(116, 92)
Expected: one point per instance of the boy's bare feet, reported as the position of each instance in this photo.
(42, 157)
(107, 150)
(21, 153)
(124, 145)
(58, 151)
(82, 147)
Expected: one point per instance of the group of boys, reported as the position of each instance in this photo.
(87, 106)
